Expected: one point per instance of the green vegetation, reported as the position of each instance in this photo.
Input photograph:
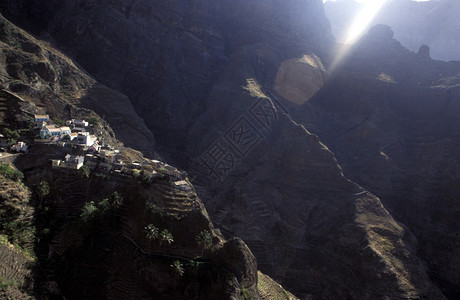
(113, 202)
(136, 173)
(178, 268)
(245, 293)
(42, 189)
(11, 135)
(84, 171)
(152, 232)
(285, 293)
(88, 211)
(151, 207)
(146, 178)
(59, 122)
(204, 240)
(116, 200)
(94, 121)
(10, 173)
(166, 238)
(104, 204)
(20, 235)
(162, 170)
(6, 283)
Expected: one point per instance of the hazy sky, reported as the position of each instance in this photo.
(364, 1)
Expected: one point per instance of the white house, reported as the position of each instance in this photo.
(85, 139)
(80, 123)
(70, 162)
(41, 118)
(51, 130)
(20, 147)
(73, 135)
(65, 130)
(74, 162)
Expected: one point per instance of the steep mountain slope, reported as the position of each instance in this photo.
(107, 255)
(220, 84)
(48, 82)
(56, 253)
(166, 55)
(17, 235)
(278, 186)
(391, 118)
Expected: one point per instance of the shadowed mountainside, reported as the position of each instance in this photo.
(220, 85)
(396, 133)
(47, 250)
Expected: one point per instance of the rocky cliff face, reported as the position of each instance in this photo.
(391, 123)
(237, 94)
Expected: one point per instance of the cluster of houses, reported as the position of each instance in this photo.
(74, 132)
(109, 162)
(18, 147)
(102, 159)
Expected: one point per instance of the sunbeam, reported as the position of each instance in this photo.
(358, 26)
(363, 19)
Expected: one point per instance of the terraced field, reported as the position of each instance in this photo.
(271, 290)
(16, 281)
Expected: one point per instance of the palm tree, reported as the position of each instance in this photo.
(88, 211)
(104, 204)
(152, 232)
(42, 189)
(115, 200)
(204, 240)
(178, 268)
(165, 237)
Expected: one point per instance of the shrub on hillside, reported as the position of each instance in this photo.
(11, 173)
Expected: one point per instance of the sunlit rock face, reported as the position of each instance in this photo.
(234, 94)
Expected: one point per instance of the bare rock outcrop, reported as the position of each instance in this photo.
(238, 258)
